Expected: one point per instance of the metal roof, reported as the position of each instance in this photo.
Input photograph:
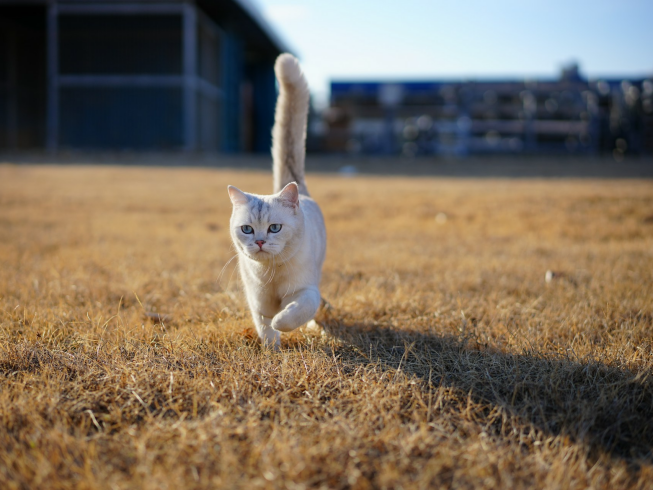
(248, 19)
(243, 15)
(256, 15)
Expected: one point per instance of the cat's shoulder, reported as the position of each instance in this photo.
(307, 201)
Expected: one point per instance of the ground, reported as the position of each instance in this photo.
(127, 356)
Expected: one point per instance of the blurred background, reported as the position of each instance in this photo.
(411, 78)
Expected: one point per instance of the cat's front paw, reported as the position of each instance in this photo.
(281, 323)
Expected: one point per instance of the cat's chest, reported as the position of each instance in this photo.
(274, 276)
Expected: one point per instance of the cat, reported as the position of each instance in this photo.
(280, 238)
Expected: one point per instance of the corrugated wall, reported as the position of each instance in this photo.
(121, 116)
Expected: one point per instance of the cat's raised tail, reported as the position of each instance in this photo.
(289, 132)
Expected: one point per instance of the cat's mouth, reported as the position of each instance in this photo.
(261, 256)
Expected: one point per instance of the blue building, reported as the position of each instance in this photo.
(136, 74)
(565, 115)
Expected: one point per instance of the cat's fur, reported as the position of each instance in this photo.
(282, 275)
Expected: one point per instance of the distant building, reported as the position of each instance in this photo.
(568, 115)
(138, 74)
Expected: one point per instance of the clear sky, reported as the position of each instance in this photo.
(422, 39)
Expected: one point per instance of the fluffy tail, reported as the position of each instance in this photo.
(289, 132)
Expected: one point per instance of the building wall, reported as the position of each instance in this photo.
(234, 65)
(118, 111)
(22, 77)
(569, 115)
(143, 76)
(250, 97)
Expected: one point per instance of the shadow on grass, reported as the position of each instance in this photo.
(606, 408)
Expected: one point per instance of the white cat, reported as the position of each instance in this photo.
(280, 238)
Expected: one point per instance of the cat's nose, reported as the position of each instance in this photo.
(260, 243)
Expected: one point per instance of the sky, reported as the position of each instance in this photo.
(464, 39)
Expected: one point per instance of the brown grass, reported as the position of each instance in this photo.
(447, 360)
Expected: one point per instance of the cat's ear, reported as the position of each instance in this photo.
(290, 194)
(237, 196)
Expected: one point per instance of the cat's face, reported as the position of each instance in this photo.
(263, 227)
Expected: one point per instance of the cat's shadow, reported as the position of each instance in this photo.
(606, 408)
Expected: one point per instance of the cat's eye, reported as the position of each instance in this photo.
(247, 230)
(274, 228)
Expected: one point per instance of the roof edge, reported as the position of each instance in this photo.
(253, 11)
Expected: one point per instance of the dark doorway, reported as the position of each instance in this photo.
(22, 77)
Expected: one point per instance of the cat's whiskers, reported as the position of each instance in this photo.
(232, 274)
(290, 275)
(225, 266)
(274, 270)
(269, 270)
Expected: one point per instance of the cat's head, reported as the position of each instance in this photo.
(263, 227)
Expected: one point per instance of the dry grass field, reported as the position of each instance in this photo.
(127, 360)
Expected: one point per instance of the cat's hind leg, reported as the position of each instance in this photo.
(296, 310)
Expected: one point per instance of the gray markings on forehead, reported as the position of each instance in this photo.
(258, 210)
